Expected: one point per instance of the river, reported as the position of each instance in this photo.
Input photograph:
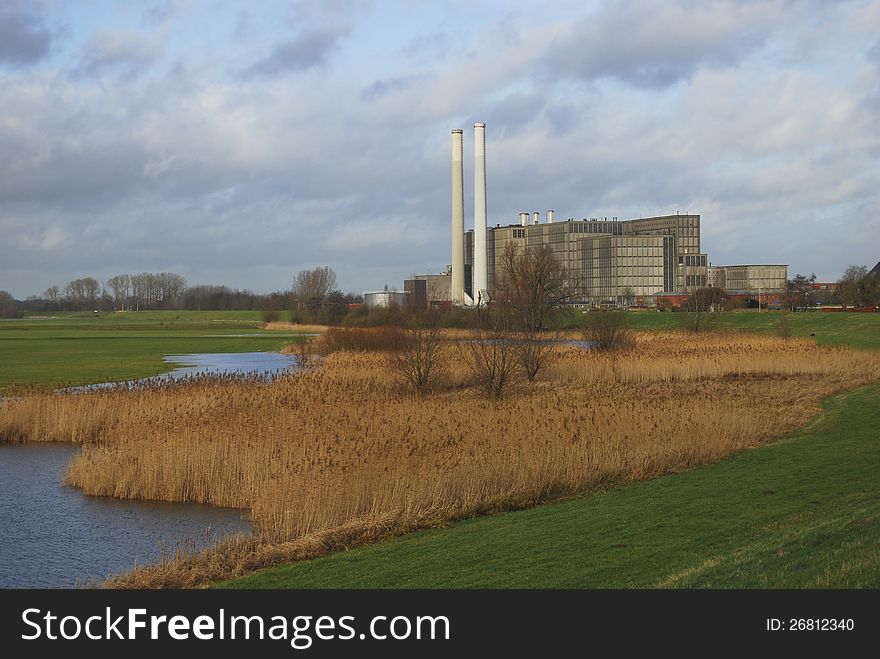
(52, 535)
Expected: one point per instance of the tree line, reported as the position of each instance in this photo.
(313, 293)
(858, 287)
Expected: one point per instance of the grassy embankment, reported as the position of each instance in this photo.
(857, 330)
(341, 456)
(72, 349)
(803, 512)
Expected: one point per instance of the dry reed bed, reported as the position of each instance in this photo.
(341, 455)
(294, 327)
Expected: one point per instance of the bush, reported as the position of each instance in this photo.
(304, 352)
(535, 352)
(493, 359)
(358, 339)
(270, 315)
(301, 317)
(783, 327)
(419, 355)
(608, 330)
(375, 317)
(700, 310)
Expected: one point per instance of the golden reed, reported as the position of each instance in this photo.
(342, 454)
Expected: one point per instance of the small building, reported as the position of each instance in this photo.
(430, 290)
(386, 299)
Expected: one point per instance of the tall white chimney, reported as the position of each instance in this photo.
(481, 266)
(523, 219)
(457, 286)
(537, 217)
(550, 215)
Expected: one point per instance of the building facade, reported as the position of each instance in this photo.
(610, 262)
(749, 279)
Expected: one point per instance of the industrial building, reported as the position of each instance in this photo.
(611, 262)
(749, 279)
(386, 299)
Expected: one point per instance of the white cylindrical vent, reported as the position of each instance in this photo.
(523, 219)
(536, 217)
(456, 291)
(550, 214)
(481, 265)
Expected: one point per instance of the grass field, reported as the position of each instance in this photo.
(857, 330)
(73, 349)
(803, 512)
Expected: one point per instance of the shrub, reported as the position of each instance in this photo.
(270, 315)
(492, 359)
(357, 339)
(700, 310)
(535, 352)
(301, 317)
(304, 350)
(783, 327)
(608, 330)
(418, 357)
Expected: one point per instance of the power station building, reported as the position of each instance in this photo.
(747, 279)
(610, 262)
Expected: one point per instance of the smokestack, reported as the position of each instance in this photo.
(550, 215)
(457, 286)
(523, 219)
(481, 265)
(537, 217)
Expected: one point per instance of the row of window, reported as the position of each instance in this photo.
(695, 280)
(640, 251)
(594, 227)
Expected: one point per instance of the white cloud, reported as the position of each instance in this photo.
(260, 177)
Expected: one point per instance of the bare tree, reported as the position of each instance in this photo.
(82, 293)
(800, 291)
(535, 352)
(699, 313)
(529, 285)
(121, 287)
(311, 287)
(850, 285)
(52, 297)
(8, 306)
(171, 288)
(419, 356)
(492, 356)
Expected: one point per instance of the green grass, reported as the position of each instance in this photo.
(73, 349)
(803, 512)
(857, 330)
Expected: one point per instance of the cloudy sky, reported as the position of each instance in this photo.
(239, 143)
